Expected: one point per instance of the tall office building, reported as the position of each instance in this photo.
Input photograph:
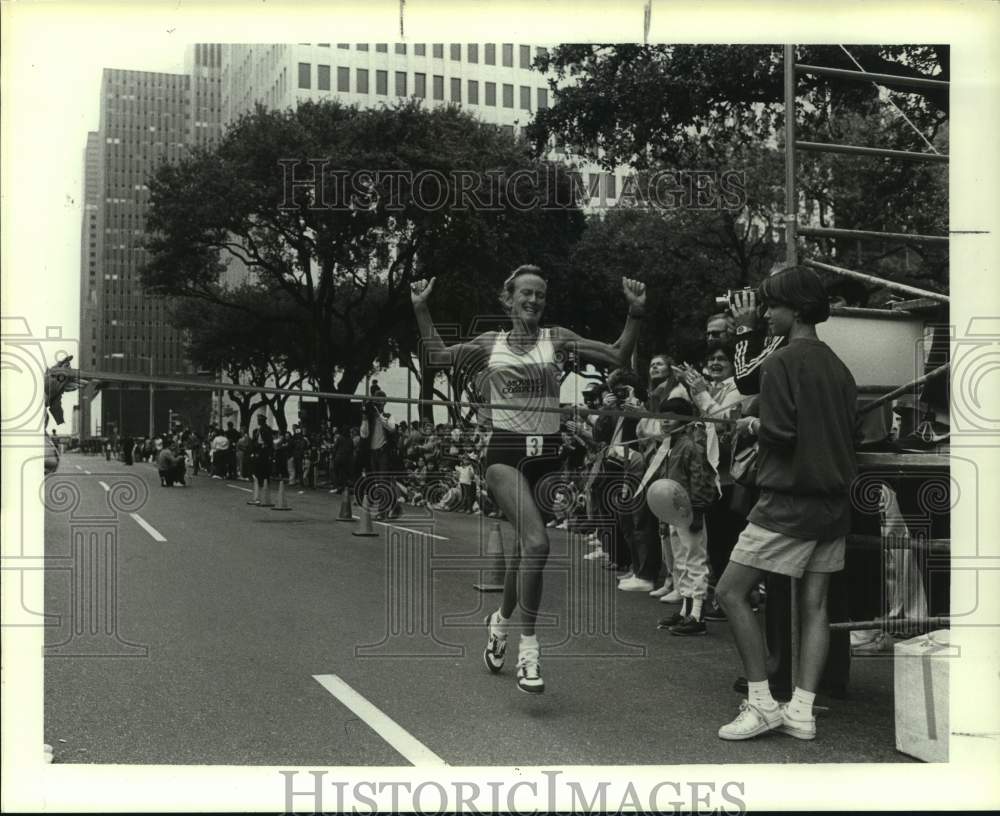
(146, 118)
(494, 81)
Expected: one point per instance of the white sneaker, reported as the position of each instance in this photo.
(551, 523)
(529, 677)
(625, 576)
(800, 729)
(596, 555)
(562, 525)
(666, 589)
(751, 721)
(671, 597)
(635, 585)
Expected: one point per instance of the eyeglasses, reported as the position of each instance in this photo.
(715, 333)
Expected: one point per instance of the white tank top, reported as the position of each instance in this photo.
(529, 381)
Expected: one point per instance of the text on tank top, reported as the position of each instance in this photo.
(526, 381)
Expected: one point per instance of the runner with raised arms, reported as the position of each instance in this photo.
(521, 369)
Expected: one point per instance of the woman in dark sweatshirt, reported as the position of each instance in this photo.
(806, 433)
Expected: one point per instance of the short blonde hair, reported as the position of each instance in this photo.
(507, 290)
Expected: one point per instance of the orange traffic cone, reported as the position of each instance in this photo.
(493, 578)
(256, 493)
(265, 499)
(281, 505)
(366, 521)
(345, 508)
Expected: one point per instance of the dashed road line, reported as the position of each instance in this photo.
(147, 527)
(414, 751)
(410, 530)
(88, 473)
(237, 487)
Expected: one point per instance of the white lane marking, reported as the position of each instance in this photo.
(105, 486)
(237, 487)
(147, 527)
(414, 751)
(88, 473)
(410, 530)
(78, 467)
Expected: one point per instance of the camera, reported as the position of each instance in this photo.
(621, 392)
(726, 301)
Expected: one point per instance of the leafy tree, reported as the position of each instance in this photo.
(642, 104)
(248, 341)
(342, 255)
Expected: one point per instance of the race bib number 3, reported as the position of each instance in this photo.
(533, 445)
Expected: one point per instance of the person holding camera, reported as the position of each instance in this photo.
(523, 368)
(806, 433)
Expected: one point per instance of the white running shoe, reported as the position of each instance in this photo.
(750, 722)
(529, 677)
(634, 584)
(496, 647)
(596, 555)
(671, 597)
(625, 576)
(666, 589)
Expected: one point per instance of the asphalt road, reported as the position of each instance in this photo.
(205, 647)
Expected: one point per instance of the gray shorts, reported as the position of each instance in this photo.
(775, 552)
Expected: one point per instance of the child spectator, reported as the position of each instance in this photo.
(688, 465)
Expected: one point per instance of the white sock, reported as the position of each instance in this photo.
(499, 624)
(801, 705)
(685, 607)
(696, 605)
(528, 642)
(759, 694)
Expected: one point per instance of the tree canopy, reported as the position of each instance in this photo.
(333, 210)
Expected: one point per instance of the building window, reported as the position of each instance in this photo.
(437, 50)
(323, 77)
(343, 45)
(472, 52)
(611, 185)
(420, 85)
(473, 92)
(361, 46)
(490, 55)
(507, 130)
(420, 49)
(525, 98)
(400, 83)
(508, 55)
(438, 87)
(491, 93)
(543, 98)
(362, 80)
(382, 83)
(400, 48)
(508, 95)
(343, 80)
(456, 52)
(305, 75)
(321, 45)
(525, 51)
(456, 90)
(382, 47)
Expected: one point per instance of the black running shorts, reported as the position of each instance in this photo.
(533, 456)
